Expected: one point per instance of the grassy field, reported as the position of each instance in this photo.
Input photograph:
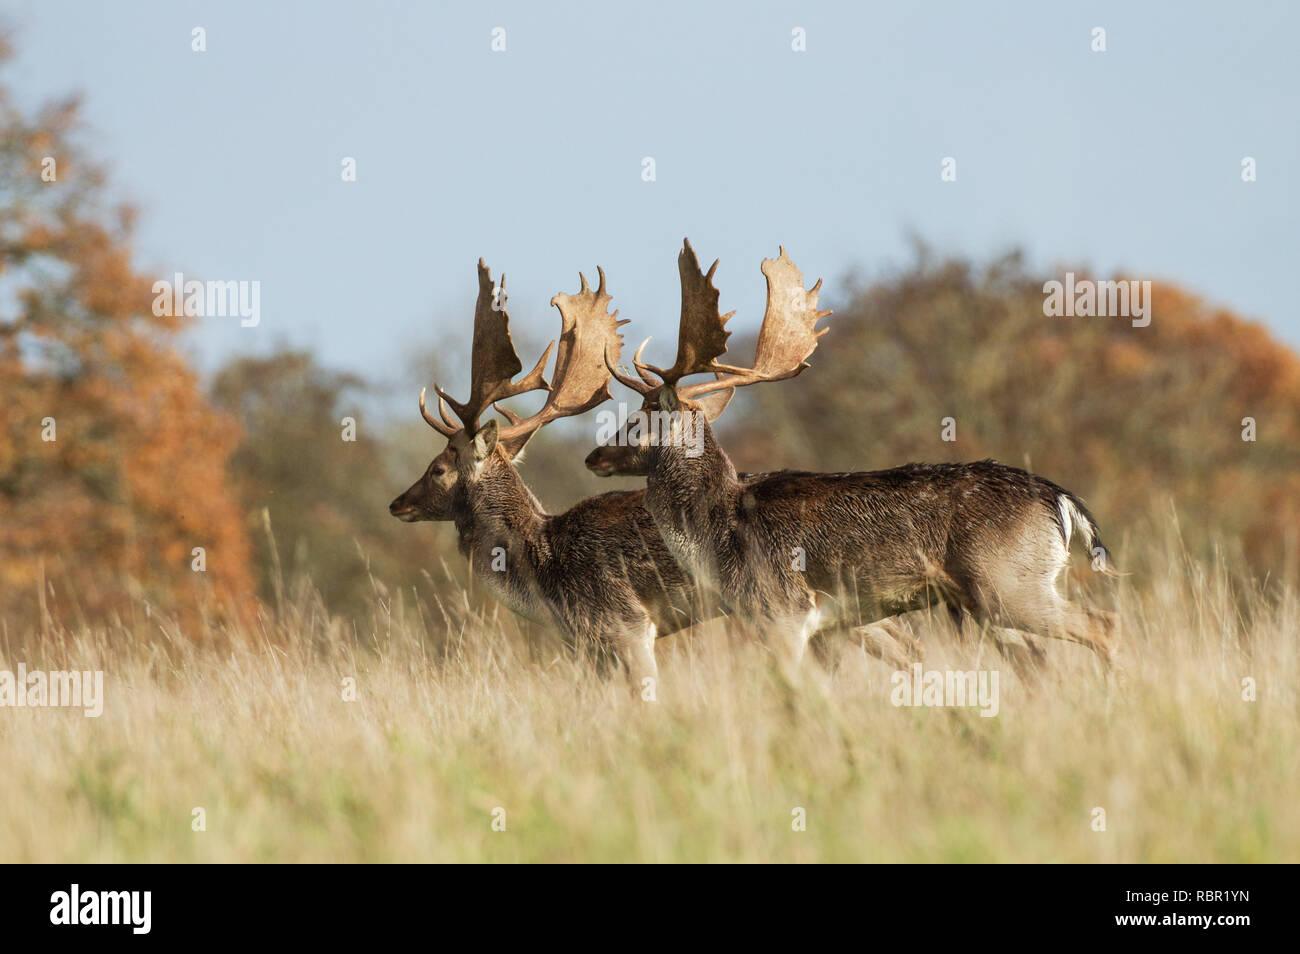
(457, 715)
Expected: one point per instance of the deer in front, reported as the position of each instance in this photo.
(599, 572)
(800, 553)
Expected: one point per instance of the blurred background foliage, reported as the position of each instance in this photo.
(149, 462)
(106, 514)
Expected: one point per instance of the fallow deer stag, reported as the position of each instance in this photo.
(801, 552)
(600, 570)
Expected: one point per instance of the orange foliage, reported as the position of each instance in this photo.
(108, 513)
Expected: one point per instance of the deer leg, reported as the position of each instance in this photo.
(1096, 629)
(601, 658)
(890, 641)
(1092, 628)
(1046, 613)
(827, 648)
(1024, 597)
(637, 650)
(794, 638)
(1023, 650)
(957, 613)
(788, 636)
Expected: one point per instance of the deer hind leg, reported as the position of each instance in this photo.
(1098, 629)
(1046, 613)
(1021, 593)
(1022, 650)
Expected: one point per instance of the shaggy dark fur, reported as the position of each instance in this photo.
(797, 552)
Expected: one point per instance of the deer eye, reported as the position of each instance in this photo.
(439, 471)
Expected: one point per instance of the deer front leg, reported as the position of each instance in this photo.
(636, 647)
(788, 635)
(891, 641)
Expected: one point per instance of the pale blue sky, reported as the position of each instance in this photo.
(1126, 159)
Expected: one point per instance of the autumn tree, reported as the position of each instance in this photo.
(113, 481)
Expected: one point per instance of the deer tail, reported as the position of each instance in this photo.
(1075, 519)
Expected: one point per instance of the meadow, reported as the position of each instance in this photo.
(463, 720)
(352, 694)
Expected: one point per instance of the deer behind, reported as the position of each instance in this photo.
(801, 552)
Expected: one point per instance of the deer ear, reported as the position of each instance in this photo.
(714, 403)
(485, 440)
(514, 446)
(668, 399)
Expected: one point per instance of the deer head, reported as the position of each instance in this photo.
(675, 416)
(474, 451)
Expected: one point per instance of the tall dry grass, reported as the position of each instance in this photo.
(459, 713)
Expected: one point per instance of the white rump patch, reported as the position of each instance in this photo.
(1066, 510)
(1073, 521)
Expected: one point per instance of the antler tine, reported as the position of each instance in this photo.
(641, 369)
(445, 413)
(493, 360)
(645, 385)
(589, 333)
(787, 337)
(702, 333)
(508, 414)
(443, 427)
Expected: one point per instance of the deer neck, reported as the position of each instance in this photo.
(498, 510)
(502, 528)
(686, 495)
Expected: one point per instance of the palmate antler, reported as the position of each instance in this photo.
(588, 331)
(786, 339)
(493, 363)
(580, 379)
(701, 333)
